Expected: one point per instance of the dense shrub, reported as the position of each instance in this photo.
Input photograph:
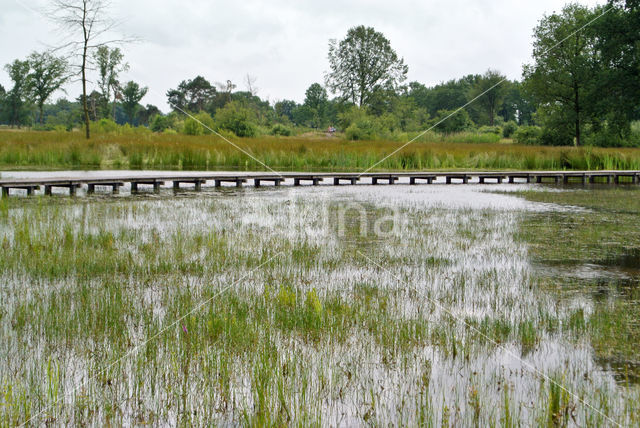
(353, 132)
(207, 122)
(236, 118)
(352, 115)
(200, 124)
(106, 125)
(279, 129)
(490, 130)
(68, 119)
(192, 127)
(471, 137)
(634, 136)
(363, 129)
(528, 135)
(607, 139)
(509, 128)
(557, 136)
(160, 123)
(608, 134)
(448, 122)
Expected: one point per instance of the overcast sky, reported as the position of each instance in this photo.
(283, 43)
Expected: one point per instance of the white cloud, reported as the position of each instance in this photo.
(284, 42)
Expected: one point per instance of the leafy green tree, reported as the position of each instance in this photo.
(47, 74)
(192, 95)
(160, 123)
(192, 127)
(363, 62)
(313, 110)
(490, 92)
(236, 118)
(3, 96)
(200, 124)
(316, 96)
(16, 103)
(304, 116)
(449, 122)
(410, 117)
(285, 108)
(517, 106)
(63, 113)
(352, 115)
(93, 104)
(334, 107)
(562, 74)
(132, 93)
(358, 124)
(145, 114)
(445, 96)
(419, 93)
(110, 64)
(618, 80)
(381, 101)
(263, 113)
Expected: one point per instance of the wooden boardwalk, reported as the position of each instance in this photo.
(135, 182)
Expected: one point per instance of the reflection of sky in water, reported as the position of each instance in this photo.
(453, 196)
(482, 273)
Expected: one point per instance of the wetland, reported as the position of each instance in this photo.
(460, 305)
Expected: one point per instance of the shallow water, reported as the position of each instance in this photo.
(448, 307)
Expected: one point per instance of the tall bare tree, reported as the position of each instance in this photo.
(250, 83)
(86, 24)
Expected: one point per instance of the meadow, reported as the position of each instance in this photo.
(430, 305)
(142, 149)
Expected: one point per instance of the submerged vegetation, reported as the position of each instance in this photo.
(295, 307)
(135, 149)
(595, 249)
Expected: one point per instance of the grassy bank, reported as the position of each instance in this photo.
(68, 150)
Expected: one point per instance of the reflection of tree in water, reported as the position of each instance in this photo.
(615, 328)
(594, 255)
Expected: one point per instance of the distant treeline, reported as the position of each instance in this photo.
(582, 89)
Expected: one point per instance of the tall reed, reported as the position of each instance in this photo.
(62, 150)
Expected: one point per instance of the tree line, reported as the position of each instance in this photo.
(581, 88)
(36, 78)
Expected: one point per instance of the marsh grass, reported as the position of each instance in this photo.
(602, 233)
(297, 329)
(59, 150)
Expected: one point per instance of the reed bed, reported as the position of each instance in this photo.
(58, 150)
